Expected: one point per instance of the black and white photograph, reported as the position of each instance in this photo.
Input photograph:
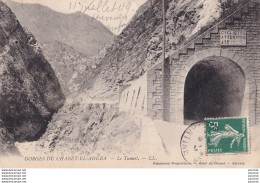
(130, 83)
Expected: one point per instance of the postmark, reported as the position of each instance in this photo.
(226, 135)
(192, 143)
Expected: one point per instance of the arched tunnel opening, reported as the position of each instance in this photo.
(214, 87)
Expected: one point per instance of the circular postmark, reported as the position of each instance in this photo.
(192, 142)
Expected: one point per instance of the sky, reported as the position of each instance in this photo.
(114, 14)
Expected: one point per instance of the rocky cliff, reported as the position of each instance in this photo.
(83, 128)
(29, 89)
(7, 146)
(139, 46)
(78, 30)
(67, 41)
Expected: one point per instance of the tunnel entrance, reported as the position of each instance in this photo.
(214, 87)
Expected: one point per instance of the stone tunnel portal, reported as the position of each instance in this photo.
(214, 87)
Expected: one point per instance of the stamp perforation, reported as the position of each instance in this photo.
(248, 137)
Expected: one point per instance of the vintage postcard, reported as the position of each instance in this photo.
(130, 83)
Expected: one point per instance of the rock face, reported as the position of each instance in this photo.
(7, 146)
(29, 90)
(77, 30)
(67, 41)
(139, 46)
(85, 129)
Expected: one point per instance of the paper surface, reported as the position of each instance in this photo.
(84, 84)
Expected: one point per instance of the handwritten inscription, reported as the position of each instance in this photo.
(111, 13)
(233, 38)
(102, 6)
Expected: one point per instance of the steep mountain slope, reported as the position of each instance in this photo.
(67, 62)
(130, 54)
(88, 129)
(139, 46)
(29, 89)
(67, 40)
(77, 30)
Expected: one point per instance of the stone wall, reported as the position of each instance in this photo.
(208, 44)
(133, 99)
(154, 94)
(167, 103)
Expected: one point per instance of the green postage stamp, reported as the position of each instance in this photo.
(226, 135)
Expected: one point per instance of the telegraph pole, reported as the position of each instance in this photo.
(164, 62)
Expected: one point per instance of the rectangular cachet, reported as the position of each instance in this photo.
(226, 135)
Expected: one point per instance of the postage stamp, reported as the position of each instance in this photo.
(226, 135)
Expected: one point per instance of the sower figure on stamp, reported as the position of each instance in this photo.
(229, 132)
